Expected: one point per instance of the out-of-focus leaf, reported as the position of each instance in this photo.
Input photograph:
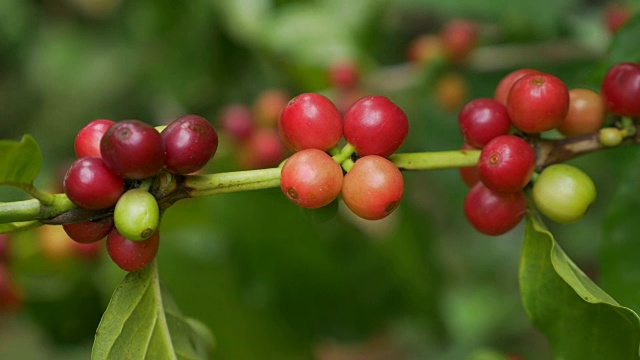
(20, 162)
(142, 321)
(624, 45)
(245, 19)
(578, 318)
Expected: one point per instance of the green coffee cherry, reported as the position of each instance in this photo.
(136, 215)
(610, 136)
(563, 193)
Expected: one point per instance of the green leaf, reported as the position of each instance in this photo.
(624, 45)
(578, 318)
(21, 161)
(142, 321)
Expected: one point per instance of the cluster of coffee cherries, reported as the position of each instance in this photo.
(312, 127)
(526, 104)
(116, 164)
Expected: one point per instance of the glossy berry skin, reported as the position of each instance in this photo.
(236, 120)
(133, 149)
(136, 215)
(87, 141)
(483, 119)
(563, 193)
(504, 86)
(506, 163)
(374, 125)
(469, 174)
(189, 142)
(494, 213)
(87, 232)
(132, 255)
(620, 89)
(538, 103)
(586, 113)
(311, 179)
(90, 184)
(373, 188)
(310, 121)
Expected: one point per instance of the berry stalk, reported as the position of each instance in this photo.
(435, 160)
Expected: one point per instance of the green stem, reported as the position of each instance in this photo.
(33, 209)
(436, 160)
(344, 153)
(202, 185)
(18, 225)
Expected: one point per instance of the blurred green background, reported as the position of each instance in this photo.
(421, 284)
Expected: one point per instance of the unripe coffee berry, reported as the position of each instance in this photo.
(506, 163)
(586, 113)
(189, 142)
(90, 184)
(136, 215)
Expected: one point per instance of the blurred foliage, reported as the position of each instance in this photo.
(266, 281)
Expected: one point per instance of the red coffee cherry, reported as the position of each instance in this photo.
(87, 142)
(89, 231)
(538, 102)
(310, 121)
(586, 113)
(374, 125)
(506, 163)
(344, 74)
(236, 120)
(132, 149)
(373, 188)
(494, 213)
(262, 150)
(620, 89)
(483, 119)
(469, 174)
(311, 178)
(459, 37)
(616, 15)
(504, 86)
(189, 142)
(132, 255)
(90, 184)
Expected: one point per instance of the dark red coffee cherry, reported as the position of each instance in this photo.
(373, 188)
(236, 120)
(506, 163)
(483, 119)
(310, 121)
(469, 174)
(311, 179)
(132, 255)
(374, 125)
(90, 184)
(621, 89)
(89, 231)
(494, 213)
(189, 142)
(87, 142)
(132, 149)
(504, 86)
(538, 103)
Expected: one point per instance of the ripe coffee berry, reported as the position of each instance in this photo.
(236, 120)
(132, 255)
(374, 125)
(483, 119)
(373, 188)
(90, 184)
(310, 121)
(620, 89)
(504, 86)
(132, 149)
(89, 231)
(136, 215)
(87, 142)
(506, 163)
(494, 213)
(586, 113)
(263, 149)
(459, 36)
(538, 102)
(189, 142)
(311, 179)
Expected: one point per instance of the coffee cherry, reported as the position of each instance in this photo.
(87, 142)
(506, 163)
(268, 105)
(132, 149)
(263, 149)
(563, 193)
(504, 86)
(89, 231)
(373, 188)
(586, 113)
(311, 179)
(459, 36)
(236, 120)
(483, 119)
(90, 184)
(616, 15)
(451, 91)
(374, 125)
(132, 255)
(469, 174)
(310, 121)
(620, 89)
(425, 49)
(189, 142)
(610, 136)
(344, 74)
(494, 213)
(538, 102)
(136, 215)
